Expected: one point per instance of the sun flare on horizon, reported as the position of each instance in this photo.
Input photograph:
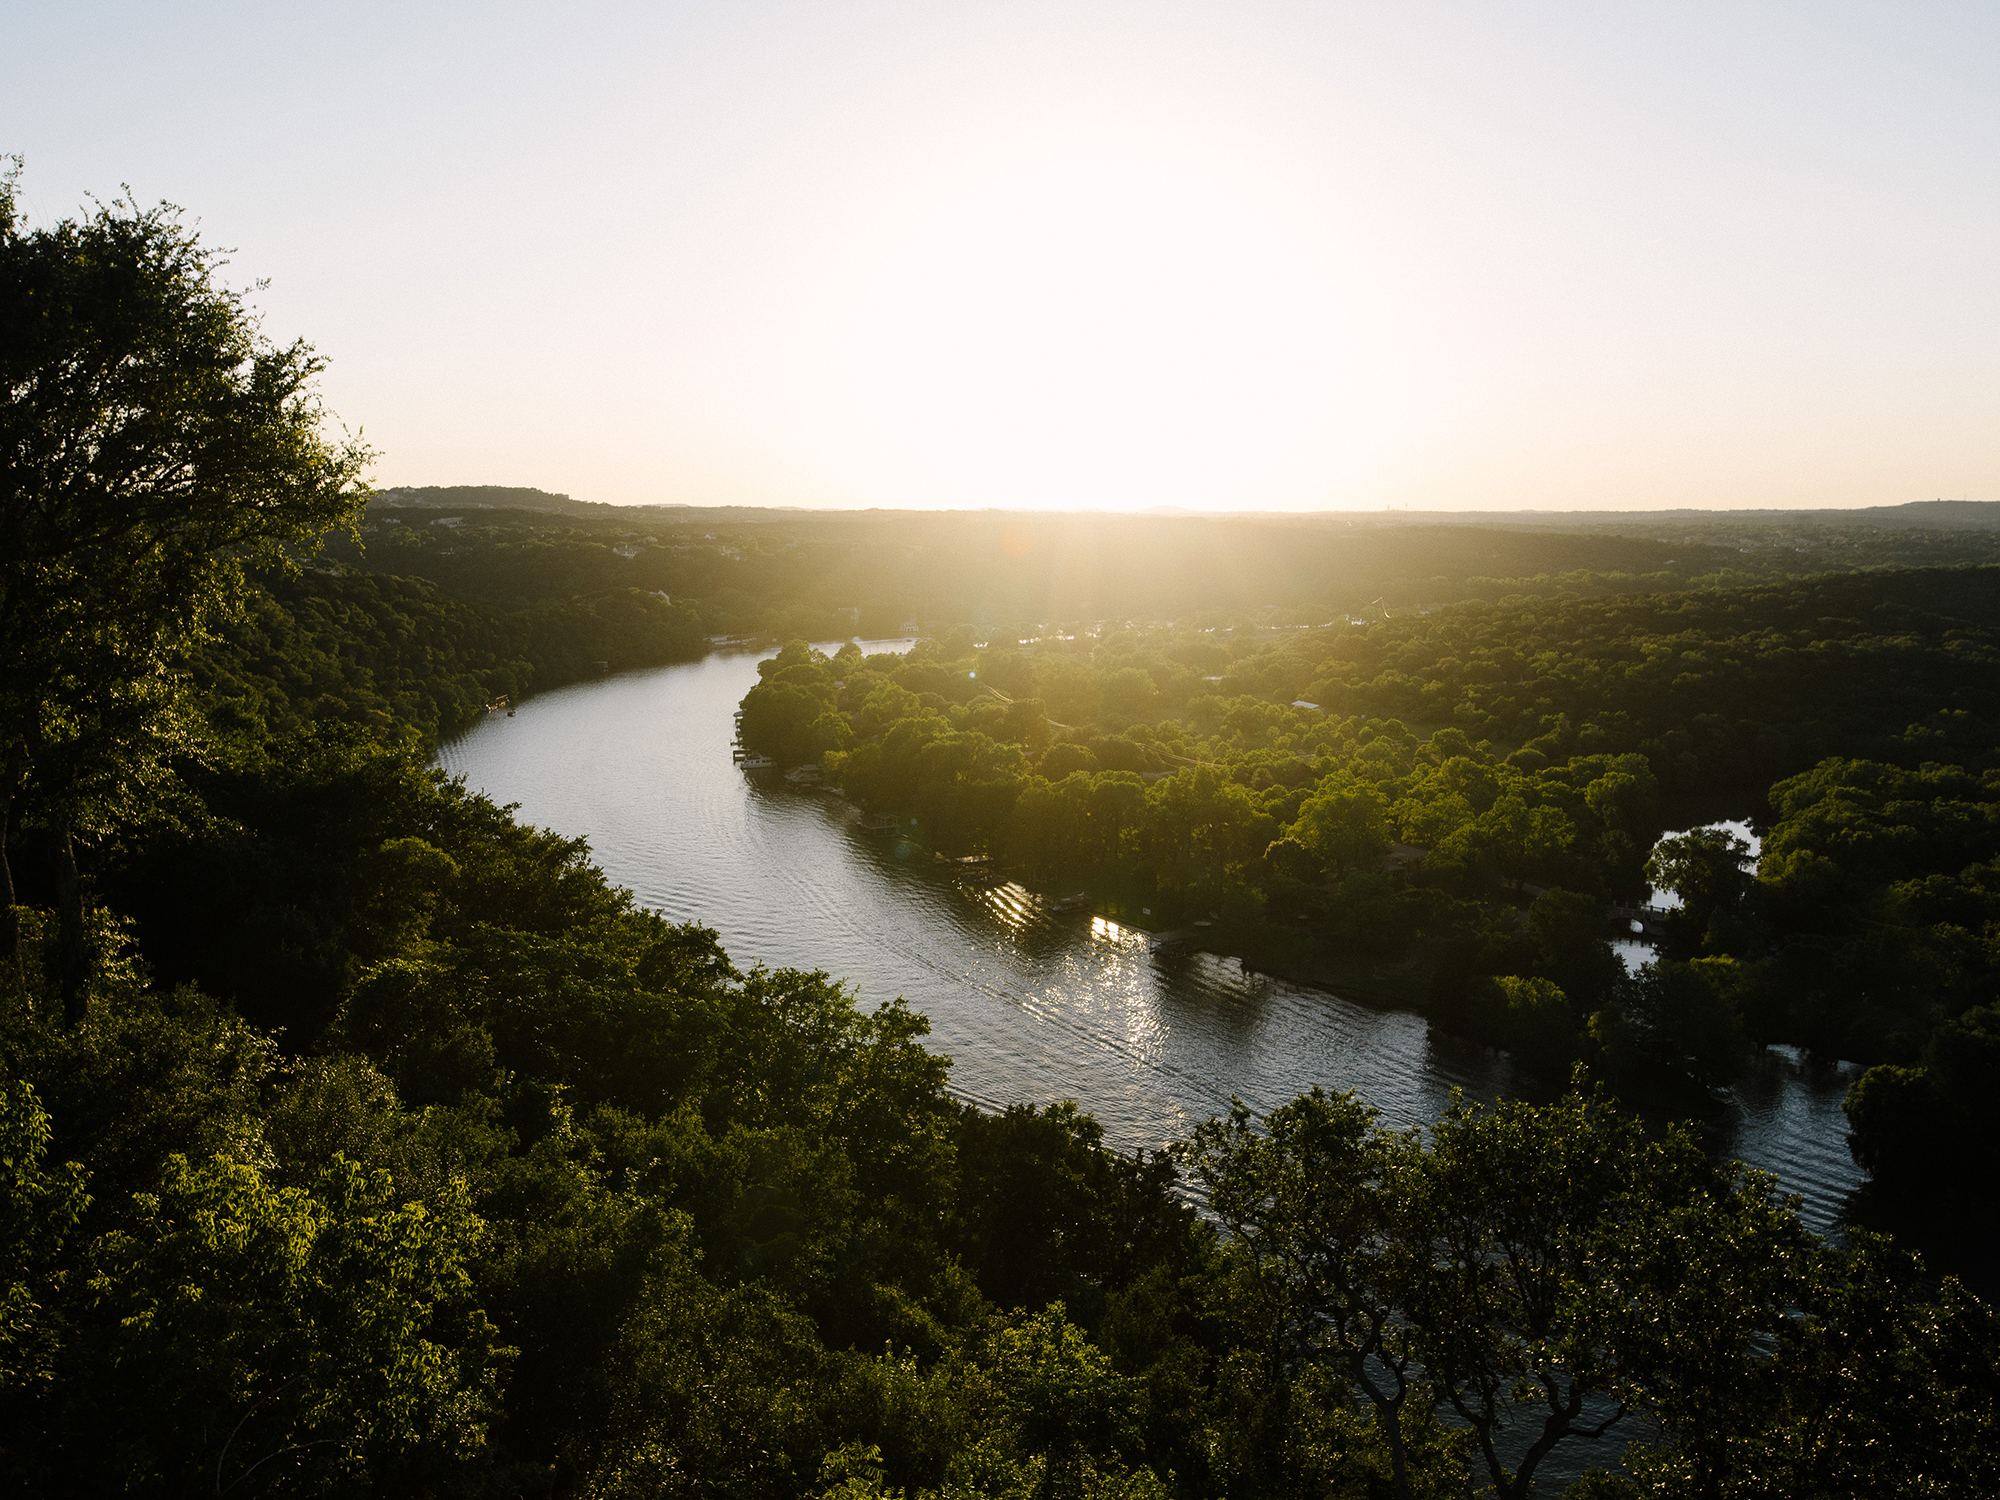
(1273, 257)
(1114, 326)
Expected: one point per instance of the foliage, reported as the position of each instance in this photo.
(1547, 1273)
(1327, 835)
(39, 1211)
(154, 444)
(327, 1335)
(399, 657)
(1029, 579)
(606, 1215)
(397, 1150)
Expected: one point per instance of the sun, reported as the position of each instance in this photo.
(1110, 327)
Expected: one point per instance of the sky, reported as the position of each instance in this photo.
(1254, 255)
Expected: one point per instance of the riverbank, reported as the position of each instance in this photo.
(1271, 952)
(1031, 1005)
(1274, 952)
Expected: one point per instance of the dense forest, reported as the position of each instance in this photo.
(357, 1138)
(396, 1151)
(403, 656)
(1443, 806)
(828, 575)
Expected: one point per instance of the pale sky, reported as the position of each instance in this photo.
(1224, 255)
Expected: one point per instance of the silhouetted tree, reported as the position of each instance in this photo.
(155, 444)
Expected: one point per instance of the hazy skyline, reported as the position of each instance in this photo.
(1261, 256)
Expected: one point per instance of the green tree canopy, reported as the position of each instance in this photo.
(155, 444)
(1344, 826)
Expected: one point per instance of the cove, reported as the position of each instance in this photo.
(1031, 1005)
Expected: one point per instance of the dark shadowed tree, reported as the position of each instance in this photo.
(1316, 1209)
(155, 445)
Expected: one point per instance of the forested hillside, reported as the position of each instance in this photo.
(555, 1201)
(400, 655)
(786, 574)
(398, 1151)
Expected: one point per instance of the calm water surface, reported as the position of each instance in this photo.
(1029, 1004)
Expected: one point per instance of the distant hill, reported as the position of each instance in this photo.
(516, 497)
(1945, 515)
(492, 496)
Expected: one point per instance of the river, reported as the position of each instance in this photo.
(1028, 1003)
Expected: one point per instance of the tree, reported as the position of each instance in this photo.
(1544, 1271)
(1567, 930)
(1131, 691)
(1521, 839)
(238, 1330)
(1927, 1122)
(39, 1208)
(156, 445)
(1881, 1390)
(1062, 1392)
(1344, 826)
(1512, 1328)
(1679, 1020)
(1315, 1204)
(1705, 868)
(1533, 1019)
(1701, 1273)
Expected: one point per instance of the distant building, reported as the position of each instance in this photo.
(1301, 703)
(850, 613)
